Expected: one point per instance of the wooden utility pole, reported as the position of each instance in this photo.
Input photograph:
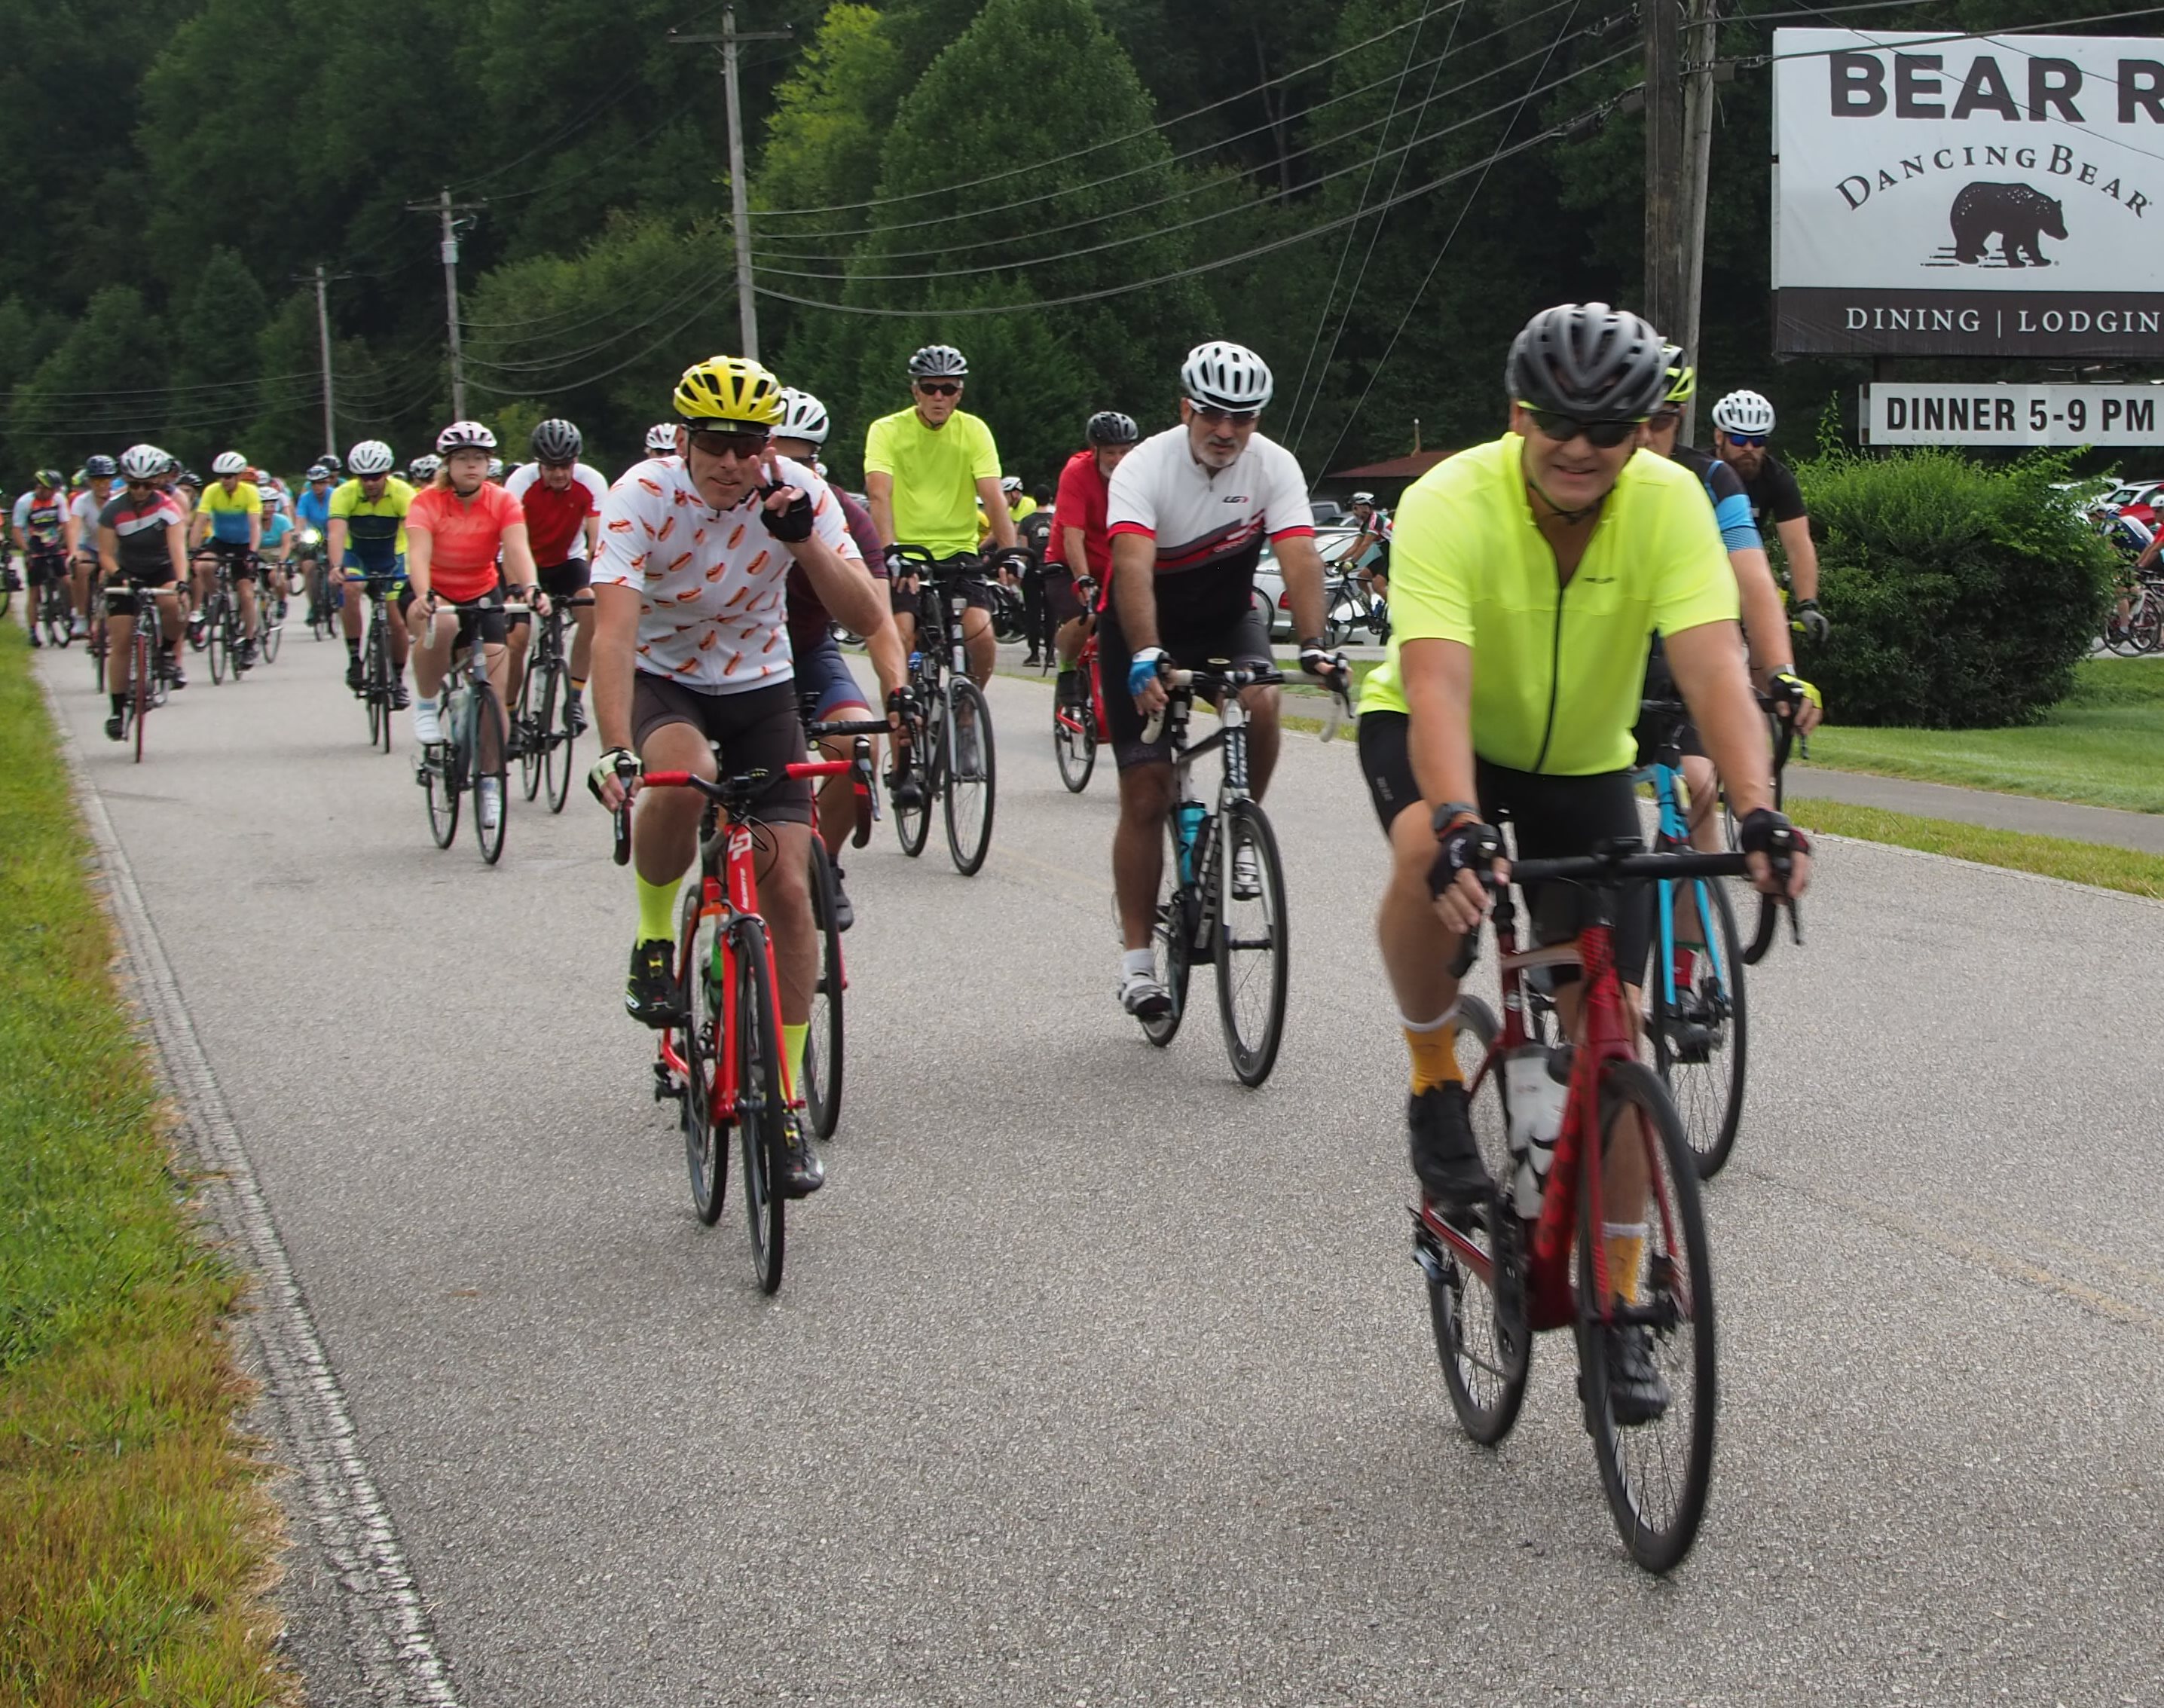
(322, 281)
(1663, 304)
(1697, 44)
(739, 201)
(447, 212)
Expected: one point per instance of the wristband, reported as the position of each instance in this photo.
(1450, 813)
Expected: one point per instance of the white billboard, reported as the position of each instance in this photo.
(1898, 412)
(1968, 195)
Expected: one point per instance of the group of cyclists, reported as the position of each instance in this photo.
(1540, 584)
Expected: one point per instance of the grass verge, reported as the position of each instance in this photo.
(136, 1535)
(2103, 745)
(2129, 870)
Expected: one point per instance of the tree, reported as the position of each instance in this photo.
(101, 389)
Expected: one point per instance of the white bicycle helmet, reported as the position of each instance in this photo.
(1226, 377)
(371, 456)
(1743, 411)
(423, 467)
(496, 468)
(142, 462)
(1010, 483)
(229, 462)
(465, 435)
(1366, 498)
(802, 417)
(661, 439)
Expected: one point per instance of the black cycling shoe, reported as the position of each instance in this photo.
(116, 727)
(353, 679)
(1637, 1392)
(802, 1173)
(1444, 1154)
(908, 793)
(845, 915)
(651, 996)
(400, 698)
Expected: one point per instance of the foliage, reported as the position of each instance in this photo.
(1961, 596)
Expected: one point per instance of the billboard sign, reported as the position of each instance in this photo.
(2013, 416)
(1998, 196)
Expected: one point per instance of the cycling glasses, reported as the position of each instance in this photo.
(714, 443)
(939, 388)
(1225, 418)
(1605, 435)
(1749, 439)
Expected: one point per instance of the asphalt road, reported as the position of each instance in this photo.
(1098, 1379)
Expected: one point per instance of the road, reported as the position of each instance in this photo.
(1096, 1378)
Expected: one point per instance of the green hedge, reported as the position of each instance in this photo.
(1960, 595)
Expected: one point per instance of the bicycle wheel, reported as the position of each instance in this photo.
(557, 757)
(760, 1108)
(1254, 960)
(822, 1044)
(142, 692)
(491, 765)
(912, 825)
(441, 775)
(60, 615)
(1482, 1337)
(698, 1044)
(1075, 744)
(532, 746)
(1172, 941)
(379, 681)
(970, 778)
(1657, 1467)
(97, 647)
(1700, 1038)
(215, 641)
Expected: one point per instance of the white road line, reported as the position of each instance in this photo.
(386, 1623)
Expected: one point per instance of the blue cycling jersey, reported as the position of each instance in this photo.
(314, 509)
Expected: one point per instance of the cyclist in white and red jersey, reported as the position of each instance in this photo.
(692, 653)
(1189, 510)
(99, 473)
(562, 498)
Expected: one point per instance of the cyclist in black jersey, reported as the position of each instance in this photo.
(1742, 430)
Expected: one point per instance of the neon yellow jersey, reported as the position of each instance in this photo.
(228, 511)
(376, 533)
(935, 476)
(1556, 669)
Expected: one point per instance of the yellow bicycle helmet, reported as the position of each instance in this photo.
(729, 388)
(1683, 378)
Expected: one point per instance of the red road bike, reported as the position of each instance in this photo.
(1079, 730)
(1534, 1255)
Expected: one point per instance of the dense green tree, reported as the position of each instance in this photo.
(101, 389)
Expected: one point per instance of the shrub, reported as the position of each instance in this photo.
(1960, 595)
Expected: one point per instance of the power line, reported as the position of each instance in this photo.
(700, 286)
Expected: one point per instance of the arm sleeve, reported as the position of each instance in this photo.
(1696, 584)
(251, 501)
(1731, 509)
(985, 455)
(591, 479)
(521, 478)
(627, 531)
(1286, 511)
(828, 522)
(343, 499)
(879, 447)
(1131, 507)
(1430, 581)
(1784, 497)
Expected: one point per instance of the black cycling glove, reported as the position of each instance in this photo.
(1766, 832)
(792, 526)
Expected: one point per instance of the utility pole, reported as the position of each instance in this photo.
(1698, 43)
(447, 211)
(1663, 304)
(322, 280)
(739, 206)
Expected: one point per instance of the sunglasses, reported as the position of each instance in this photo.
(742, 446)
(560, 465)
(1603, 435)
(1225, 418)
(939, 388)
(1749, 439)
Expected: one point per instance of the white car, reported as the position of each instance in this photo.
(1269, 581)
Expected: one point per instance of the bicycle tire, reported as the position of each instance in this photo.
(1484, 1341)
(1172, 942)
(270, 626)
(1251, 1033)
(1707, 1029)
(1656, 1515)
(214, 637)
(379, 680)
(912, 825)
(532, 746)
(698, 1045)
(59, 616)
(6, 596)
(141, 694)
(556, 756)
(99, 646)
(970, 793)
(823, 1058)
(440, 783)
(491, 765)
(761, 1107)
(1074, 744)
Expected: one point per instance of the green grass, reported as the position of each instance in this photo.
(2102, 745)
(136, 1535)
(2079, 862)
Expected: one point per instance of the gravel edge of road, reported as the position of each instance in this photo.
(303, 1406)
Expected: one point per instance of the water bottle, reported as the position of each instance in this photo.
(1188, 816)
(1536, 1081)
(454, 720)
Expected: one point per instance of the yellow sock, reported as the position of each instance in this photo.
(1625, 1248)
(657, 910)
(792, 1055)
(1434, 1048)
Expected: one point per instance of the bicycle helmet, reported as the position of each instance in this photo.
(1366, 498)
(317, 471)
(229, 462)
(371, 456)
(424, 467)
(330, 461)
(1589, 361)
(1220, 375)
(144, 462)
(1010, 483)
(729, 389)
(1743, 411)
(495, 468)
(1109, 427)
(184, 477)
(460, 435)
(100, 468)
(1681, 376)
(557, 442)
(49, 477)
(939, 361)
(661, 439)
(802, 417)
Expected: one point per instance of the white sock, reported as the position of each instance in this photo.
(1137, 962)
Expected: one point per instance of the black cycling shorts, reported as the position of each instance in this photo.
(977, 594)
(1549, 818)
(756, 729)
(484, 616)
(1245, 641)
(1061, 603)
(235, 555)
(39, 566)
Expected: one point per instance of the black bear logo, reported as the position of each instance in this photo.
(2022, 217)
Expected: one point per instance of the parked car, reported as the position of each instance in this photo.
(1269, 581)
(1328, 511)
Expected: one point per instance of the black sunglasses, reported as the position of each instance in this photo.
(939, 388)
(1605, 435)
(716, 442)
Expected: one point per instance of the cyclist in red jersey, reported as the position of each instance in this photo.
(562, 498)
(1082, 543)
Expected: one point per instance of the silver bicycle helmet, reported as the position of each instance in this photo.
(1588, 361)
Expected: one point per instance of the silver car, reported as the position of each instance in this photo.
(1269, 579)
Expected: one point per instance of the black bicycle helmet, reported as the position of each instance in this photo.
(557, 441)
(939, 361)
(100, 468)
(1588, 360)
(1109, 427)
